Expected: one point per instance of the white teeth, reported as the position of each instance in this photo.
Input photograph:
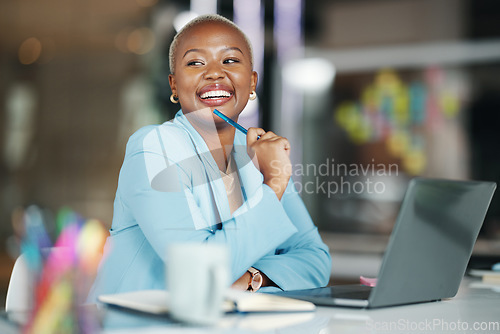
(215, 93)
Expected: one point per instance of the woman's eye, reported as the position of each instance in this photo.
(231, 61)
(194, 63)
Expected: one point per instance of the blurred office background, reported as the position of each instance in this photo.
(370, 92)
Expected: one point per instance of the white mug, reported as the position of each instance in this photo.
(197, 276)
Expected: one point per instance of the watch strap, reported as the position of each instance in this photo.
(253, 273)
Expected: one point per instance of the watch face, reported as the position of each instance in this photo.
(256, 281)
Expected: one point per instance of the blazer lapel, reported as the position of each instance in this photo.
(213, 174)
(250, 177)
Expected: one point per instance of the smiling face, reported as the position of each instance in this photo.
(213, 69)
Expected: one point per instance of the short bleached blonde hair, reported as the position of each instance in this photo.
(215, 18)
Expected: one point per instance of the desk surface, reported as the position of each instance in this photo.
(475, 309)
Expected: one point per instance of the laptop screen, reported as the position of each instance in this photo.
(432, 240)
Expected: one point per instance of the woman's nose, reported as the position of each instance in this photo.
(214, 71)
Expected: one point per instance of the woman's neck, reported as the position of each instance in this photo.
(219, 136)
(220, 144)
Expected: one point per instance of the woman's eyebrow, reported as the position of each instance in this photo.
(191, 50)
(225, 49)
(233, 48)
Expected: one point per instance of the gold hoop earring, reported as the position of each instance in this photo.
(253, 95)
(174, 98)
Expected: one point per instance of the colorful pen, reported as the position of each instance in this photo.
(230, 121)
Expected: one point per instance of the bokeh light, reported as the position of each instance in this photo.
(400, 113)
(309, 74)
(135, 40)
(183, 18)
(30, 50)
(140, 41)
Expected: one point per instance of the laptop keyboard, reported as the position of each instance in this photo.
(350, 292)
(347, 291)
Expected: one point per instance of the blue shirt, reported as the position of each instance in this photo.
(170, 190)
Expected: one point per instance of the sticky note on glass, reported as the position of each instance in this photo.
(367, 281)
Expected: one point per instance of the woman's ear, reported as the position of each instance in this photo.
(253, 81)
(173, 85)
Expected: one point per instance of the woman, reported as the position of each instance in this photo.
(192, 179)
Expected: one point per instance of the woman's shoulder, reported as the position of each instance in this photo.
(168, 129)
(162, 138)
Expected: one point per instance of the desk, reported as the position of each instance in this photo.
(475, 309)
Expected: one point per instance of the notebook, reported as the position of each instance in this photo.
(428, 251)
(157, 301)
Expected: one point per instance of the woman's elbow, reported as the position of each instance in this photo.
(326, 268)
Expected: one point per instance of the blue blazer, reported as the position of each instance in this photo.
(170, 190)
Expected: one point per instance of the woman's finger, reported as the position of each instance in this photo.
(268, 135)
(253, 134)
(285, 143)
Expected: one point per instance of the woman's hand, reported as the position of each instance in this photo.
(271, 155)
(242, 282)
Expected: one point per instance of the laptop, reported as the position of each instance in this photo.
(428, 251)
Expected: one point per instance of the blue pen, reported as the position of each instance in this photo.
(230, 121)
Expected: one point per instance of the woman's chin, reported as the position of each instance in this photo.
(203, 113)
(203, 119)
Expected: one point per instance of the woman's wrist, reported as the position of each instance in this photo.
(278, 185)
(244, 282)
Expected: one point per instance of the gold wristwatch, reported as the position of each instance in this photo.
(255, 281)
